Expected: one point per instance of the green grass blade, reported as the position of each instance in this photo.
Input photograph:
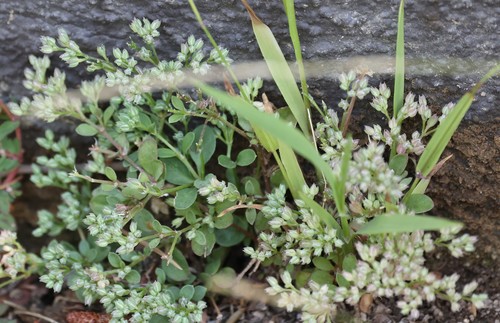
(294, 35)
(399, 75)
(280, 130)
(339, 190)
(399, 223)
(293, 170)
(447, 128)
(279, 69)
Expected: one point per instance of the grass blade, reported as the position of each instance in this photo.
(294, 35)
(279, 69)
(293, 170)
(280, 130)
(447, 128)
(399, 74)
(398, 223)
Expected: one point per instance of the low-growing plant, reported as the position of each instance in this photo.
(178, 177)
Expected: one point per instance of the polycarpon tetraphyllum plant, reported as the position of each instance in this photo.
(167, 192)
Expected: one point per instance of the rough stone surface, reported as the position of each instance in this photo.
(436, 31)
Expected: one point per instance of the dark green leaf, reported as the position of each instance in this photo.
(199, 293)
(187, 142)
(203, 149)
(177, 173)
(187, 291)
(173, 273)
(7, 127)
(231, 236)
(133, 277)
(323, 263)
(185, 198)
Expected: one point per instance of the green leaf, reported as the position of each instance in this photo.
(279, 69)
(200, 238)
(185, 198)
(187, 291)
(399, 77)
(166, 153)
(173, 273)
(86, 130)
(245, 157)
(398, 164)
(108, 113)
(148, 157)
(341, 281)
(405, 223)
(177, 173)
(7, 127)
(322, 277)
(115, 260)
(231, 236)
(204, 148)
(222, 222)
(133, 277)
(226, 162)
(204, 248)
(199, 293)
(160, 275)
(175, 118)
(250, 215)
(252, 186)
(187, 142)
(110, 173)
(280, 130)
(154, 243)
(323, 263)
(349, 263)
(419, 203)
(177, 103)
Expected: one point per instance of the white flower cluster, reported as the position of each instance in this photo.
(369, 173)
(389, 266)
(217, 191)
(107, 228)
(297, 236)
(315, 302)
